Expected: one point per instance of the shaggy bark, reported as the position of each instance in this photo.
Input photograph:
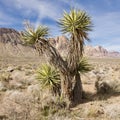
(77, 90)
(71, 87)
(73, 59)
(52, 55)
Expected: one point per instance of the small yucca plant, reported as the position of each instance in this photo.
(31, 35)
(49, 78)
(84, 66)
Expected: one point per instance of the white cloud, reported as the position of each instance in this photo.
(43, 8)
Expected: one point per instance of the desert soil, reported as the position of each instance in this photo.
(18, 83)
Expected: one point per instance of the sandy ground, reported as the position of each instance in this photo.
(93, 106)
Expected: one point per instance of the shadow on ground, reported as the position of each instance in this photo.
(88, 96)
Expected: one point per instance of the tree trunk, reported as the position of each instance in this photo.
(71, 89)
(77, 90)
(71, 86)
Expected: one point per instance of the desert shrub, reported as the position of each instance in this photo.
(94, 111)
(107, 86)
(5, 77)
(54, 107)
(102, 86)
(24, 107)
(49, 78)
(19, 68)
(116, 86)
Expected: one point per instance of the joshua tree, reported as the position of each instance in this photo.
(77, 24)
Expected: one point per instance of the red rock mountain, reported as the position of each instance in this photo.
(11, 44)
(62, 42)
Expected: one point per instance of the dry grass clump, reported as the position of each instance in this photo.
(18, 105)
(94, 110)
(5, 77)
(104, 86)
(4, 81)
(54, 107)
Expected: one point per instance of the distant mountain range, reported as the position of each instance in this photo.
(11, 45)
(61, 43)
(99, 51)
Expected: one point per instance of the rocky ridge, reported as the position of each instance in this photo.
(11, 44)
(61, 43)
(99, 51)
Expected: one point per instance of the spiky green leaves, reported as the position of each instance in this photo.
(84, 66)
(31, 35)
(76, 20)
(49, 77)
(77, 23)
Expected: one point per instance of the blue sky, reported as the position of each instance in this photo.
(105, 16)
